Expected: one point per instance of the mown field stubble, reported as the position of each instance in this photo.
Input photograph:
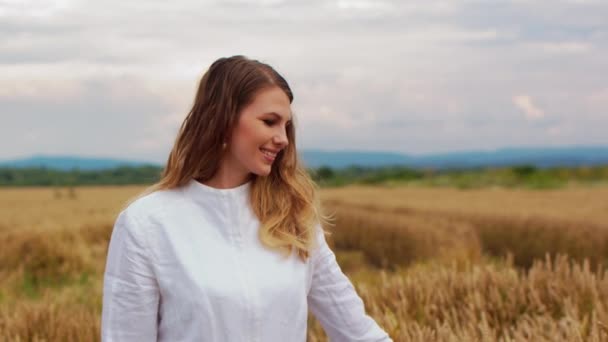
(431, 264)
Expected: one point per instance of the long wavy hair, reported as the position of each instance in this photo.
(286, 201)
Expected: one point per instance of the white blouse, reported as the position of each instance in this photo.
(186, 264)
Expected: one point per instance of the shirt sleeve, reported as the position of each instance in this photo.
(130, 291)
(334, 302)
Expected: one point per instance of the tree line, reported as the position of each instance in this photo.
(514, 176)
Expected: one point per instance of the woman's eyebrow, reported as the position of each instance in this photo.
(277, 114)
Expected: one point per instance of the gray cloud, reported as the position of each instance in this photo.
(413, 77)
(109, 117)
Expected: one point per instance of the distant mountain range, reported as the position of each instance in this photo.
(71, 162)
(539, 157)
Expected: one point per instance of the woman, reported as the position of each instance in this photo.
(229, 244)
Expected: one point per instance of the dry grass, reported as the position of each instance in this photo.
(441, 222)
(25, 208)
(49, 319)
(554, 301)
(424, 261)
(576, 203)
(390, 238)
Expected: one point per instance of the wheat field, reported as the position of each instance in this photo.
(431, 264)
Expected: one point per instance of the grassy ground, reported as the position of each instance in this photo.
(432, 264)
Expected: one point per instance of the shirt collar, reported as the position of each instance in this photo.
(229, 208)
(208, 195)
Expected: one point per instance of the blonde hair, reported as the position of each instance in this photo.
(286, 201)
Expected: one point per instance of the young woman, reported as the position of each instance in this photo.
(229, 245)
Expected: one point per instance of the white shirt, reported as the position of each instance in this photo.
(186, 264)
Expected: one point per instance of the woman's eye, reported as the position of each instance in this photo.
(269, 122)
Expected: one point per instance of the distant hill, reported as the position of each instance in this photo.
(539, 157)
(71, 162)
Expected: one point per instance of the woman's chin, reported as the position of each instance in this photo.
(263, 170)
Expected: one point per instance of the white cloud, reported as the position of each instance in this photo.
(557, 130)
(394, 75)
(452, 34)
(33, 8)
(531, 111)
(594, 106)
(564, 47)
(362, 4)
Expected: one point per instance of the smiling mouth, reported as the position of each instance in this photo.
(268, 154)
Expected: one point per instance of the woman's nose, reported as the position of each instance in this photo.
(281, 139)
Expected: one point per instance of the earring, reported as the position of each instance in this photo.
(224, 145)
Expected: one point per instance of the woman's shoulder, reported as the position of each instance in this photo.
(155, 205)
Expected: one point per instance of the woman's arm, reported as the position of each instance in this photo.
(130, 290)
(333, 301)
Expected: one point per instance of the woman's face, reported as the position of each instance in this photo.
(261, 127)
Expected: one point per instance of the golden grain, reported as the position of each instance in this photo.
(430, 264)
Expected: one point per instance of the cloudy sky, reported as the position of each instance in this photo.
(116, 78)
